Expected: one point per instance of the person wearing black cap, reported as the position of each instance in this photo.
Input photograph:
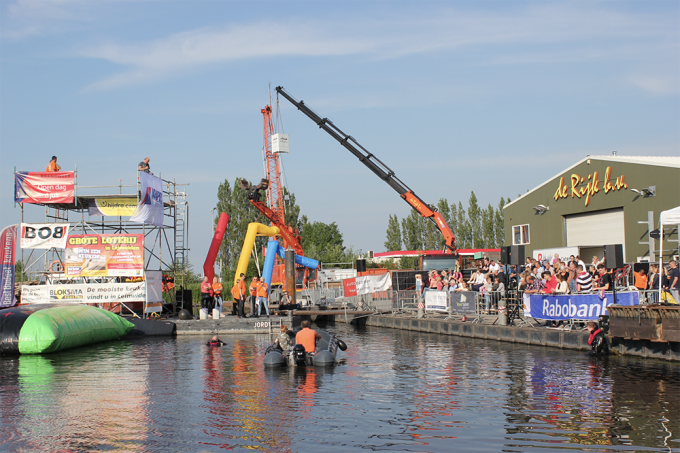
(52, 166)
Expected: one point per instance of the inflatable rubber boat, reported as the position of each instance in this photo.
(326, 349)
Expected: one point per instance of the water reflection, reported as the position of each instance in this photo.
(395, 390)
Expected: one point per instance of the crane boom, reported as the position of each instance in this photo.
(378, 167)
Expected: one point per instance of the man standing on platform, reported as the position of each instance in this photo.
(238, 296)
(52, 166)
(206, 295)
(674, 281)
(144, 166)
(217, 291)
(262, 298)
(253, 295)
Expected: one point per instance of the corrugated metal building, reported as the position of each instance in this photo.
(600, 200)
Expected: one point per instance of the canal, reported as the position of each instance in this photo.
(392, 391)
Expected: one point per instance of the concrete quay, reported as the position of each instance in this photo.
(576, 339)
(229, 325)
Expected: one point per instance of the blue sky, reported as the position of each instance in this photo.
(494, 97)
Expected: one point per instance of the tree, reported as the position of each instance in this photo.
(463, 226)
(488, 227)
(393, 239)
(412, 231)
(475, 221)
(499, 223)
(234, 201)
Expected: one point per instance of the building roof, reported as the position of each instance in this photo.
(659, 161)
(400, 253)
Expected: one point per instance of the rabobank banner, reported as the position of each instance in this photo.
(574, 306)
(150, 208)
(8, 240)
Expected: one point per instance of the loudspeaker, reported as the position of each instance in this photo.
(643, 265)
(361, 265)
(184, 299)
(505, 255)
(613, 256)
(517, 255)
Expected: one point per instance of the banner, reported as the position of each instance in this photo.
(150, 209)
(44, 235)
(462, 301)
(154, 291)
(117, 206)
(44, 186)
(367, 284)
(8, 239)
(436, 300)
(574, 306)
(106, 255)
(85, 293)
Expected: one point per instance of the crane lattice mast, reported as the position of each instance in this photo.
(275, 190)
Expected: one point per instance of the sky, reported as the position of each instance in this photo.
(493, 97)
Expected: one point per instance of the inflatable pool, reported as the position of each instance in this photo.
(43, 328)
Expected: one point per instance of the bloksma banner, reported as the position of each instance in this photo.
(117, 206)
(85, 293)
(575, 306)
(367, 284)
(8, 239)
(44, 186)
(150, 209)
(105, 255)
(44, 235)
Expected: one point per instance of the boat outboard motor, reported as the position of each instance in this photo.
(299, 355)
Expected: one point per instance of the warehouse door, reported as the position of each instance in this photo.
(593, 230)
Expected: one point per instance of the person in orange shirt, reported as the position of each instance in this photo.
(641, 280)
(206, 295)
(307, 337)
(253, 295)
(238, 296)
(262, 298)
(52, 166)
(217, 293)
(242, 293)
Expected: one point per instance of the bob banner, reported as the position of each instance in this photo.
(118, 206)
(8, 239)
(574, 306)
(44, 235)
(150, 209)
(105, 255)
(85, 293)
(44, 186)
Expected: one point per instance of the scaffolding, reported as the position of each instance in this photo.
(166, 248)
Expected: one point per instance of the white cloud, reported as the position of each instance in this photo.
(26, 18)
(590, 33)
(656, 84)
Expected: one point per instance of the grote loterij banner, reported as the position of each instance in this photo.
(104, 255)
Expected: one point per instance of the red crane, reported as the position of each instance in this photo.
(275, 190)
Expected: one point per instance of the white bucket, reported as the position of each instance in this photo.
(216, 313)
(203, 313)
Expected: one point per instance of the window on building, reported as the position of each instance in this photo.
(520, 234)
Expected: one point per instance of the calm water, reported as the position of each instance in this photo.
(393, 391)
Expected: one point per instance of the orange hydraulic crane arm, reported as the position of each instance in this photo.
(379, 168)
(254, 196)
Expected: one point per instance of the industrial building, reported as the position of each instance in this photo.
(600, 200)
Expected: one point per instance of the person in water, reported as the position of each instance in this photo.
(596, 340)
(215, 342)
